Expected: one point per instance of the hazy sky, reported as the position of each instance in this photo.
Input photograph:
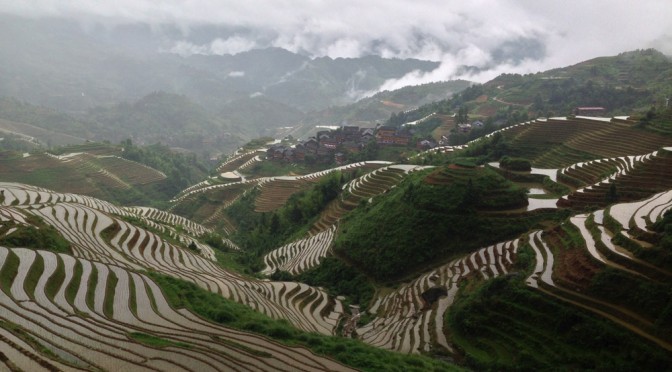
(496, 35)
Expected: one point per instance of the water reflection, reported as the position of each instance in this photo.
(541, 203)
(551, 173)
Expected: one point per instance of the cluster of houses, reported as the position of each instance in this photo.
(466, 127)
(337, 143)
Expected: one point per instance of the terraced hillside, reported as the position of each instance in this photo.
(97, 231)
(601, 160)
(410, 319)
(603, 247)
(90, 315)
(363, 188)
(37, 135)
(160, 216)
(276, 191)
(605, 263)
(207, 201)
(510, 130)
(301, 255)
(238, 161)
(559, 142)
(80, 173)
(307, 253)
(633, 178)
(129, 171)
(229, 172)
(569, 263)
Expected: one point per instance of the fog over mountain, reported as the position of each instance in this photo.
(257, 66)
(493, 36)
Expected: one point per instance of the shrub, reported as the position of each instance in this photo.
(515, 164)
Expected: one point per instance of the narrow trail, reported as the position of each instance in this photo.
(509, 103)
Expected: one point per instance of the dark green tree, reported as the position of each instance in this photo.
(463, 114)
(612, 194)
(275, 223)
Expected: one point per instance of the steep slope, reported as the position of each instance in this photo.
(382, 105)
(97, 235)
(106, 317)
(115, 301)
(592, 272)
(621, 83)
(281, 75)
(631, 178)
(429, 217)
(558, 142)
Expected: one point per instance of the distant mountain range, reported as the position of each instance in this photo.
(115, 83)
(106, 76)
(59, 64)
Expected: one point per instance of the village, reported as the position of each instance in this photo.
(337, 144)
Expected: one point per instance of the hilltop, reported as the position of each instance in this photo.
(623, 83)
(380, 106)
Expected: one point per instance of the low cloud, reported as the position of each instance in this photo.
(232, 45)
(523, 35)
(476, 64)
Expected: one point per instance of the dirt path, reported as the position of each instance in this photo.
(508, 103)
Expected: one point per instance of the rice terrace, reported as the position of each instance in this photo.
(183, 190)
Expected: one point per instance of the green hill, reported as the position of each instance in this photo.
(429, 218)
(381, 106)
(159, 117)
(623, 83)
(164, 118)
(630, 83)
(127, 175)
